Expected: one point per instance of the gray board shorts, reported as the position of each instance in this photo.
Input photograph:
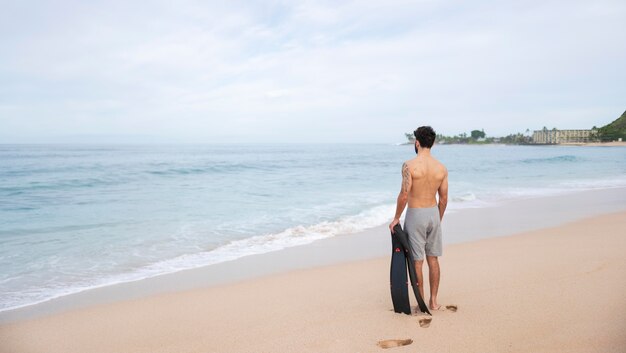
(424, 228)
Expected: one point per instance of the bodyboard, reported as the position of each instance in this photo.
(398, 278)
(403, 238)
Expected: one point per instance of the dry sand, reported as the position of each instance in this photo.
(558, 289)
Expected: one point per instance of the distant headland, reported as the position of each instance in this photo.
(613, 134)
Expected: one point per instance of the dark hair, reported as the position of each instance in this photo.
(425, 135)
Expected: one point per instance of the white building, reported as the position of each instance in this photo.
(554, 136)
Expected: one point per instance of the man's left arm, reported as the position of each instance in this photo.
(443, 195)
(403, 196)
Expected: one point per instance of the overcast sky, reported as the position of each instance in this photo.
(323, 71)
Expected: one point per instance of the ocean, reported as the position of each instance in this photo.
(74, 217)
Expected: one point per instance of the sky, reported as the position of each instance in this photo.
(305, 71)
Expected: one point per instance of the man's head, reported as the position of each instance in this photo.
(425, 135)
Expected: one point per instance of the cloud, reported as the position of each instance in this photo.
(309, 71)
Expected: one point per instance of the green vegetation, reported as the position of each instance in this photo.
(478, 134)
(517, 139)
(614, 130)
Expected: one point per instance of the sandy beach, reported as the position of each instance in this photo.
(558, 288)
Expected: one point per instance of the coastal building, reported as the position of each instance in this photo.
(555, 136)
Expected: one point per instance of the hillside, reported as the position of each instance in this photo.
(614, 130)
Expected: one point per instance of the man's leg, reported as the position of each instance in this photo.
(433, 278)
(420, 278)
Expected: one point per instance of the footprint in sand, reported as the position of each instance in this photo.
(452, 308)
(425, 322)
(394, 343)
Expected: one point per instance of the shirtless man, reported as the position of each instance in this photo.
(422, 178)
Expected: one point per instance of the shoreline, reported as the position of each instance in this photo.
(596, 144)
(582, 144)
(535, 291)
(566, 144)
(460, 226)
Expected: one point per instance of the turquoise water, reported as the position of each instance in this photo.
(75, 217)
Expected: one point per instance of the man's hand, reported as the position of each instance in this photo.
(393, 224)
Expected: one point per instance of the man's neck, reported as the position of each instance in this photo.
(422, 151)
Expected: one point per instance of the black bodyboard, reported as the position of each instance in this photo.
(403, 239)
(398, 278)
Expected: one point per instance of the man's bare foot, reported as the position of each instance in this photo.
(434, 306)
(452, 308)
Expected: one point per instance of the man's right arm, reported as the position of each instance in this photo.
(403, 196)
(443, 195)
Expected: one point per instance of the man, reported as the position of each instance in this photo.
(422, 178)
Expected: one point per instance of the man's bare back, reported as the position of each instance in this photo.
(423, 177)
